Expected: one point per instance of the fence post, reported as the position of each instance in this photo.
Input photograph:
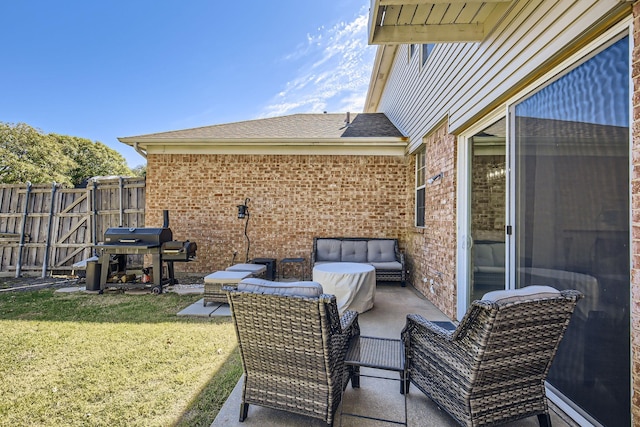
(121, 208)
(47, 246)
(23, 227)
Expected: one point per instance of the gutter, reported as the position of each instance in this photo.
(139, 150)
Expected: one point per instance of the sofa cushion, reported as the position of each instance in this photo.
(498, 250)
(354, 251)
(381, 251)
(261, 286)
(394, 265)
(328, 250)
(489, 254)
(522, 294)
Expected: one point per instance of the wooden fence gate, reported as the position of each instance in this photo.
(47, 228)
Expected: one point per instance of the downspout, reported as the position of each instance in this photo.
(47, 246)
(139, 150)
(23, 229)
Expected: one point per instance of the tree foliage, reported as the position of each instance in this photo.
(27, 154)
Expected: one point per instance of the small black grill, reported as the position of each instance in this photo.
(157, 242)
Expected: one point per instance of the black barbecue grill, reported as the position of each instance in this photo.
(157, 242)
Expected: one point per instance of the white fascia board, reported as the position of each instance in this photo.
(343, 146)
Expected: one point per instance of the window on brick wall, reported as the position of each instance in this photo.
(420, 185)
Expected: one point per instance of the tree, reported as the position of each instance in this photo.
(91, 159)
(140, 170)
(27, 154)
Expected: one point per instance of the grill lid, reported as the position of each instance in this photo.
(137, 236)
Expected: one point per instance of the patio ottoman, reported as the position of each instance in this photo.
(255, 269)
(214, 282)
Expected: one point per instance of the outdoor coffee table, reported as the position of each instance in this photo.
(377, 353)
(353, 284)
(255, 269)
(214, 282)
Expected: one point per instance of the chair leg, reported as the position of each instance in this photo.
(404, 383)
(544, 420)
(244, 410)
(355, 377)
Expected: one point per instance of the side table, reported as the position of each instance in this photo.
(377, 353)
(213, 284)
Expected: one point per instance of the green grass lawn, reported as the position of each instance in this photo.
(78, 359)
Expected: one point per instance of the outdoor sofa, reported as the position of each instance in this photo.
(382, 253)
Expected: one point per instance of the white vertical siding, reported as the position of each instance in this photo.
(462, 80)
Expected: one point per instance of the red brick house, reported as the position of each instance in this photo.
(306, 175)
(499, 143)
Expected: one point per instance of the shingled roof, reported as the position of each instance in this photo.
(296, 126)
(365, 130)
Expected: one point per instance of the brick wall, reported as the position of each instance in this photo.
(488, 197)
(635, 215)
(293, 199)
(431, 251)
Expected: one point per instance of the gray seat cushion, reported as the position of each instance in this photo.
(394, 265)
(522, 294)
(381, 251)
(261, 286)
(328, 250)
(354, 251)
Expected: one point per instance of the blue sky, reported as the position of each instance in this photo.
(111, 68)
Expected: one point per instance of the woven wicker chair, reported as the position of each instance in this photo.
(292, 346)
(491, 369)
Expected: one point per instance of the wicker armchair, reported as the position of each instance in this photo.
(293, 343)
(491, 369)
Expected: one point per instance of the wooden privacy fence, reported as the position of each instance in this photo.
(46, 227)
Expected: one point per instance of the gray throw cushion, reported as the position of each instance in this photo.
(328, 250)
(261, 286)
(354, 251)
(522, 294)
(381, 251)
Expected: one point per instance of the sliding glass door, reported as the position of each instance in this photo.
(570, 172)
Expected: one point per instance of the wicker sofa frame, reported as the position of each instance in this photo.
(382, 274)
(293, 350)
(492, 368)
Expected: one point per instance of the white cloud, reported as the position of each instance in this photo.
(334, 67)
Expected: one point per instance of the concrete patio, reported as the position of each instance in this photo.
(377, 398)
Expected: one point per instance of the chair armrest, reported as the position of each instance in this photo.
(416, 321)
(349, 323)
(434, 352)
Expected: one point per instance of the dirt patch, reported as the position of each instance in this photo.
(34, 283)
(30, 283)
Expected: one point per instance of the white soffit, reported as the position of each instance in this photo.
(435, 21)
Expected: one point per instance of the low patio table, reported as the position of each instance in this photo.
(377, 353)
(353, 284)
(214, 282)
(255, 269)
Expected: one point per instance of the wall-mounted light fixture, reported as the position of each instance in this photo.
(243, 211)
(435, 178)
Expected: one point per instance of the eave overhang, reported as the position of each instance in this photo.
(434, 21)
(386, 146)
